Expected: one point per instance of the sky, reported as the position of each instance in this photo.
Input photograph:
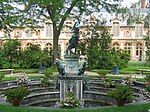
(128, 2)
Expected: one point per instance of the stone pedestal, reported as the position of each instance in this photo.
(71, 64)
(79, 89)
(71, 82)
(62, 89)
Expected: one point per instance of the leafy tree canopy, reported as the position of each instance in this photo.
(30, 12)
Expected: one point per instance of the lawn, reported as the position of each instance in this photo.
(127, 108)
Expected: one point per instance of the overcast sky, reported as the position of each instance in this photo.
(128, 2)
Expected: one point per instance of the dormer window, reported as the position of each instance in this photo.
(29, 33)
(48, 30)
(115, 28)
(139, 30)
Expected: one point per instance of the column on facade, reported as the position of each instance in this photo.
(42, 45)
(133, 52)
(121, 45)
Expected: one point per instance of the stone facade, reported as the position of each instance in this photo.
(130, 38)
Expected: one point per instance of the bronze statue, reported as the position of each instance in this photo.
(73, 42)
(60, 68)
(82, 69)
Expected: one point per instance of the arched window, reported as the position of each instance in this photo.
(49, 46)
(19, 47)
(39, 46)
(128, 48)
(28, 45)
(116, 46)
(18, 34)
(139, 51)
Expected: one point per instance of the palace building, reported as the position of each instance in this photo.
(129, 38)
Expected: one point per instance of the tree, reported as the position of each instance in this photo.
(40, 10)
(97, 47)
(9, 16)
(97, 41)
(10, 53)
(33, 57)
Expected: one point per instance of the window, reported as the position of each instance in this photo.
(18, 34)
(138, 30)
(48, 30)
(115, 29)
(29, 33)
(116, 46)
(128, 48)
(48, 46)
(28, 45)
(139, 51)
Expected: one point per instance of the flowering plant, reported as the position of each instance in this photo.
(23, 79)
(70, 102)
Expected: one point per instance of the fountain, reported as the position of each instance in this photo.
(70, 74)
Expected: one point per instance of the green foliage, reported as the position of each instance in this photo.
(148, 88)
(147, 78)
(142, 107)
(96, 47)
(46, 81)
(32, 57)
(102, 73)
(119, 58)
(121, 93)
(97, 44)
(10, 53)
(147, 39)
(1, 76)
(108, 82)
(70, 102)
(49, 71)
(37, 11)
(19, 92)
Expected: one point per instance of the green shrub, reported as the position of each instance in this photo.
(122, 94)
(148, 88)
(1, 76)
(107, 82)
(19, 92)
(49, 71)
(45, 81)
(147, 78)
(102, 73)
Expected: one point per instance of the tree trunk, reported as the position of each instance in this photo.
(56, 34)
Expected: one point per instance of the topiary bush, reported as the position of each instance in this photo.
(122, 94)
